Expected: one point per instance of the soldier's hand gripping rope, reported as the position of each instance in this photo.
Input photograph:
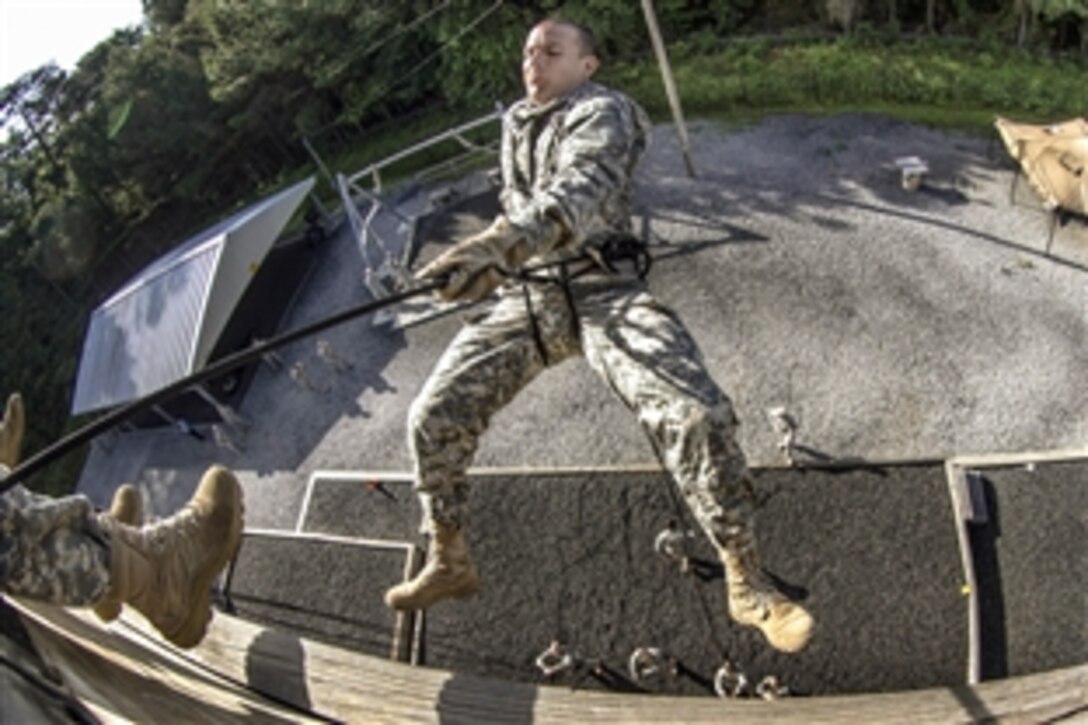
(474, 267)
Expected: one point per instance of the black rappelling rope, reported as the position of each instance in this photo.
(235, 360)
(47, 455)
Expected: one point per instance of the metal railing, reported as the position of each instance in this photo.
(386, 255)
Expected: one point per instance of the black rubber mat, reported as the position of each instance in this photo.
(327, 592)
(872, 552)
(1031, 561)
(368, 506)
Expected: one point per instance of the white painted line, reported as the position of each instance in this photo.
(362, 476)
(1070, 455)
(956, 488)
(330, 539)
(305, 508)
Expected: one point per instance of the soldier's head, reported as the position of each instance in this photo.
(559, 56)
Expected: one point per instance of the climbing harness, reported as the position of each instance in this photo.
(607, 252)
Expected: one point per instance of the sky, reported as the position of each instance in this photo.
(32, 32)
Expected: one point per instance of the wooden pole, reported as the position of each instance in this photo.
(670, 84)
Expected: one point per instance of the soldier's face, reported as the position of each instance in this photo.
(554, 62)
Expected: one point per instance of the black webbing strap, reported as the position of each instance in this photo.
(608, 251)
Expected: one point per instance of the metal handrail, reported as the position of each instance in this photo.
(373, 169)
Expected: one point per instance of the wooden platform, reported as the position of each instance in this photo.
(245, 672)
(947, 572)
(876, 550)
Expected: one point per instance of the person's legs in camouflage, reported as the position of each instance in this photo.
(485, 366)
(647, 357)
(45, 551)
(61, 551)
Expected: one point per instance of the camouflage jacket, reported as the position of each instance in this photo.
(569, 163)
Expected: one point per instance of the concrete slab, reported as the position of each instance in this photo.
(368, 505)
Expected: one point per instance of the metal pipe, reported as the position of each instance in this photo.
(670, 84)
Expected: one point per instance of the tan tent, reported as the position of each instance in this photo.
(1054, 159)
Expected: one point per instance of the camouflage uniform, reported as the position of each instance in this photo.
(570, 162)
(52, 549)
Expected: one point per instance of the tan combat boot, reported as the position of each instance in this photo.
(756, 602)
(165, 570)
(12, 428)
(448, 573)
(127, 508)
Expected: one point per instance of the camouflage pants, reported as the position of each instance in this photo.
(638, 347)
(51, 548)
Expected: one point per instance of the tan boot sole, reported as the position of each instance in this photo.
(793, 630)
(417, 601)
(192, 630)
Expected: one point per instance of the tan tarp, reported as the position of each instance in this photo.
(1054, 158)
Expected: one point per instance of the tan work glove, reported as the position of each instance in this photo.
(475, 266)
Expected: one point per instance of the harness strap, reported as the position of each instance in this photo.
(534, 326)
(608, 252)
(568, 295)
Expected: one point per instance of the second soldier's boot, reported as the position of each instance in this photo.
(755, 601)
(127, 508)
(12, 428)
(165, 570)
(448, 573)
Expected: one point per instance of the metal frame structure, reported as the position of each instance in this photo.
(407, 630)
(165, 323)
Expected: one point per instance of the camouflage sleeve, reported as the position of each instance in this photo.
(594, 162)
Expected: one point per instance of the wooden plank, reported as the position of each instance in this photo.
(957, 490)
(360, 688)
(405, 642)
(964, 460)
(125, 680)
